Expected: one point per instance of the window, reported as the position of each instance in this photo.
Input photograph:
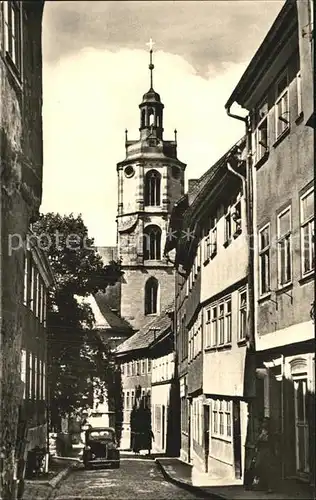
(228, 419)
(152, 188)
(35, 378)
(40, 382)
(307, 232)
(236, 217)
(284, 247)
(222, 419)
(127, 401)
(264, 260)
(26, 279)
(123, 368)
(137, 367)
(221, 324)
(208, 340)
(242, 323)
(13, 33)
(23, 370)
(215, 417)
(282, 106)
(214, 327)
(152, 243)
(132, 399)
(228, 321)
(261, 133)
(213, 242)
(44, 305)
(143, 366)
(44, 380)
(228, 227)
(128, 369)
(149, 365)
(38, 297)
(33, 285)
(151, 296)
(299, 93)
(30, 376)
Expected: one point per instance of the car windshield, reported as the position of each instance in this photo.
(101, 434)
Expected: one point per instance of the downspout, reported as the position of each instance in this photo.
(248, 185)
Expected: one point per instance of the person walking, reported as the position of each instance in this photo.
(265, 457)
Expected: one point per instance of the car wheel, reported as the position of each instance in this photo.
(88, 466)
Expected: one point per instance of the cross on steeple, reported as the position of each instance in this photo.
(151, 65)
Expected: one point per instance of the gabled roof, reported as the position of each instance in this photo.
(148, 334)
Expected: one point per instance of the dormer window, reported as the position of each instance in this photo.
(282, 113)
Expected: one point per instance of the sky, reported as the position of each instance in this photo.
(95, 72)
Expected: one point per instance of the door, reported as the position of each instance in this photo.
(301, 426)
(237, 438)
(206, 435)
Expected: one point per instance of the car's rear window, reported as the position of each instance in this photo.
(101, 434)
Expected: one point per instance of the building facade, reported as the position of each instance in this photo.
(276, 91)
(150, 180)
(165, 412)
(33, 418)
(212, 318)
(21, 190)
(135, 357)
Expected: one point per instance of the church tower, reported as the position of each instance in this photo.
(150, 181)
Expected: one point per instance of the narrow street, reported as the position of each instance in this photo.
(136, 479)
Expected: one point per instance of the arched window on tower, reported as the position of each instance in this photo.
(143, 118)
(152, 188)
(152, 243)
(151, 117)
(151, 296)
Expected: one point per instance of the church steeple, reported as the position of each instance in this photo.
(151, 108)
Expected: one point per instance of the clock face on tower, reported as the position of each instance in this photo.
(126, 223)
(129, 171)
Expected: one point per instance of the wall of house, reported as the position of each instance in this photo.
(21, 183)
(282, 179)
(222, 461)
(219, 272)
(130, 380)
(229, 358)
(160, 396)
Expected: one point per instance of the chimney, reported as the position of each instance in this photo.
(191, 184)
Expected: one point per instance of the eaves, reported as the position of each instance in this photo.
(278, 36)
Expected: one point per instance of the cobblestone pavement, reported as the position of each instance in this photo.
(136, 479)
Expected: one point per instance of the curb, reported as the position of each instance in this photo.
(199, 491)
(53, 483)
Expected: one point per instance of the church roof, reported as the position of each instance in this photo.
(105, 318)
(148, 334)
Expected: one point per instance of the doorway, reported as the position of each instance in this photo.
(237, 438)
(206, 435)
(301, 426)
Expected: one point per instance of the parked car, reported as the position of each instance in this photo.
(101, 448)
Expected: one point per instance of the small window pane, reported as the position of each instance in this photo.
(285, 223)
(264, 238)
(308, 206)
